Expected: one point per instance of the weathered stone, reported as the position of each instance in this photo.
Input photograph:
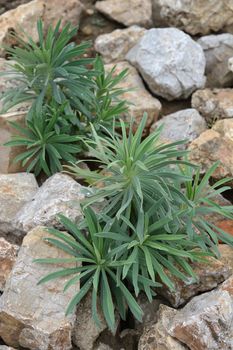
(8, 254)
(114, 46)
(59, 194)
(15, 191)
(140, 100)
(205, 323)
(33, 316)
(171, 63)
(4, 347)
(156, 337)
(194, 17)
(127, 12)
(218, 49)
(225, 225)
(226, 255)
(187, 124)
(213, 104)
(208, 276)
(85, 331)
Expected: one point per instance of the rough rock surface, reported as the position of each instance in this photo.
(85, 331)
(8, 254)
(218, 49)
(114, 46)
(139, 98)
(157, 337)
(186, 124)
(59, 194)
(33, 316)
(194, 17)
(213, 104)
(227, 255)
(4, 347)
(209, 276)
(170, 61)
(15, 191)
(127, 12)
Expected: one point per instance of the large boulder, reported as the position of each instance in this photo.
(186, 124)
(33, 316)
(127, 12)
(170, 61)
(114, 46)
(194, 17)
(218, 49)
(8, 254)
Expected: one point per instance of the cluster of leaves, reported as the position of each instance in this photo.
(153, 224)
(54, 74)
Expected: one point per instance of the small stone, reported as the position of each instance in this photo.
(140, 100)
(170, 62)
(31, 315)
(114, 46)
(15, 191)
(59, 194)
(127, 12)
(187, 124)
(8, 254)
(218, 49)
(213, 104)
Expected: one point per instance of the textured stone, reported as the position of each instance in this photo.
(156, 336)
(187, 124)
(4, 347)
(8, 254)
(59, 194)
(209, 275)
(226, 255)
(218, 49)
(171, 63)
(139, 98)
(114, 46)
(214, 104)
(15, 191)
(127, 12)
(33, 316)
(194, 17)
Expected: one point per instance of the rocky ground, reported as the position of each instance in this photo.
(179, 56)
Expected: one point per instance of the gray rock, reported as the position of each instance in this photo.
(8, 254)
(194, 17)
(33, 316)
(114, 46)
(15, 191)
(4, 347)
(59, 194)
(171, 63)
(187, 124)
(218, 49)
(127, 12)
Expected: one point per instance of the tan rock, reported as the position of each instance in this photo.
(8, 254)
(127, 12)
(4, 347)
(156, 337)
(33, 316)
(114, 46)
(228, 286)
(209, 275)
(140, 100)
(226, 255)
(213, 104)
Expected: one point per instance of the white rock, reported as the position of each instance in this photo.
(171, 63)
(8, 254)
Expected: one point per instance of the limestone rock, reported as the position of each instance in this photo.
(15, 191)
(226, 255)
(187, 124)
(214, 104)
(85, 331)
(139, 98)
(114, 46)
(59, 194)
(171, 63)
(33, 316)
(4, 347)
(218, 49)
(8, 254)
(209, 276)
(205, 323)
(194, 17)
(156, 337)
(127, 12)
